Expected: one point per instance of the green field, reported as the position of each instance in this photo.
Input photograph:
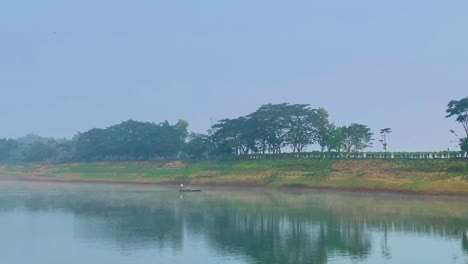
(426, 176)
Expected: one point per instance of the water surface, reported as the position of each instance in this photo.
(84, 223)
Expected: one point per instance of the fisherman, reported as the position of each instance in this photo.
(181, 185)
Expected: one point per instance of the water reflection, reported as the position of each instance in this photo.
(263, 226)
(464, 242)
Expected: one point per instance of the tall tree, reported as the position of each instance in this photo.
(272, 124)
(383, 133)
(335, 138)
(198, 147)
(357, 137)
(459, 109)
(322, 127)
(132, 140)
(7, 148)
(233, 136)
(300, 130)
(40, 151)
(464, 146)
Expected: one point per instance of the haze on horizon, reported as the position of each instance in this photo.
(69, 66)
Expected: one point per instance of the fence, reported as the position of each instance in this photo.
(350, 155)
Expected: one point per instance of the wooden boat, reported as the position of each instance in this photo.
(190, 190)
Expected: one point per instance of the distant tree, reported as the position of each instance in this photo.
(322, 128)
(383, 133)
(182, 129)
(274, 126)
(459, 109)
(357, 137)
(198, 147)
(169, 140)
(92, 145)
(271, 125)
(40, 151)
(464, 146)
(31, 138)
(335, 138)
(132, 140)
(233, 136)
(64, 150)
(299, 119)
(7, 148)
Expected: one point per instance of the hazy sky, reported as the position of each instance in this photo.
(68, 66)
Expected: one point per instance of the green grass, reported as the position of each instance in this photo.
(412, 175)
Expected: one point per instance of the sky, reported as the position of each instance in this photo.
(69, 66)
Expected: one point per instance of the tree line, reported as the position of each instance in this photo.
(272, 130)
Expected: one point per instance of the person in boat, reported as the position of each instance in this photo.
(181, 185)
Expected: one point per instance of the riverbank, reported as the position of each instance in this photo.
(447, 177)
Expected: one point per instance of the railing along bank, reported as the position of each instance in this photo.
(349, 155)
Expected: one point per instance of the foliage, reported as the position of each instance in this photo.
(460, 110)
(29, 139)
(7, 148)
(132, 140)
(323, 129)
(271, 128)
(232, 136)
(335, 137)
(40, 151)
(356, 137)
(464, 146)
(300, 126)
(198, 147)
(271, 124)
(383, 133)
(262, 134)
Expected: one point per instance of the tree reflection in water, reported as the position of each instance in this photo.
(266, 226)
(464, 242)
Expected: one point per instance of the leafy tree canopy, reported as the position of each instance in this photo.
(132, 140)
(39, 151)
(357, 137)
(7, 147)
(459, 109)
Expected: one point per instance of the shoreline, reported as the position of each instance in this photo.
(286, 187)
(417, 177)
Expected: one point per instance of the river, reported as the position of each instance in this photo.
(117, 223)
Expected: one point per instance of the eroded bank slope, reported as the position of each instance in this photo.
(425, 176)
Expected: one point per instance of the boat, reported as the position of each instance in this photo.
(190, 190)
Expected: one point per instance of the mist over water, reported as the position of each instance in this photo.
(79, 223)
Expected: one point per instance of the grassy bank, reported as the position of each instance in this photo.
(426, 176)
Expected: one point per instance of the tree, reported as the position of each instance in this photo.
(460, 110)
(132, 140)
(384, 132)
(322, 127)
(297, 125)
(64, 150)
(300, 126)
(464, 146)
(335, 138)
(92, 145)
(40, 151)
(7, 148)
(233, 136)
(169, 140)
(198, 147)
(357, 137)
(271, 127)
